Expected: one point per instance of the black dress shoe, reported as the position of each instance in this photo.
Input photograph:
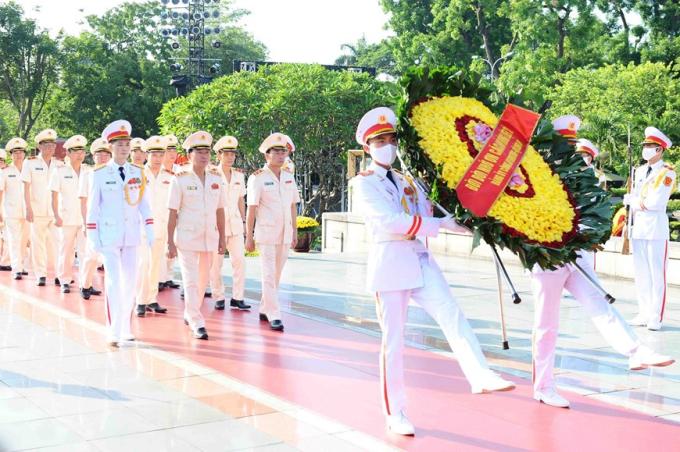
(85, 293)
(171, 284)
(207, 294)
(25, 273)
(186, 322)
(141, 310)
(276, 325)
(201, 333)
(57, 282)
(100, 268)
(181, 295)
(161, 286)
(219, 305)
(240, 304)
(155, 307)
(5, 268)
(94, 291)
(18, 276)
(42, 281)
(65, 289)
(263, 318)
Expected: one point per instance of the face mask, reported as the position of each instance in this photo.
(648, 153)
(385, 154)
(587, 159)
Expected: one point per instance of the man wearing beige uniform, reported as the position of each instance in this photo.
(196, 225)
(271, 221)
(13, 207)
(153, 258)
(68, 218)
(169, 159)
(235, 213)
(101, 154)
(36, 174)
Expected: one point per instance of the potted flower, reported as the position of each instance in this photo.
(305, 232)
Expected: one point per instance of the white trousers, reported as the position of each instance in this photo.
(5, 255)
(195, 267)
(236, 248)
(650, 259)
(436, 299)
(143, 264)
(71, 240)
(119, 283)
(43, 245)
(272, 260)
(17, 235)
(547, 289)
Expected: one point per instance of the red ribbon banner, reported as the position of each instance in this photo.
(493, 167)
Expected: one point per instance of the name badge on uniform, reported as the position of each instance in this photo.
(166, 182)
(192, 187)
(11, 175)
(268, 183)
(237, 183)
(37, 168)
(68, 177)
(110, 182)
(289, 181)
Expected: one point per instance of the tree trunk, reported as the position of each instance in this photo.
(484, 31)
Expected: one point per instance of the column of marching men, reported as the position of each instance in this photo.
(135, 211)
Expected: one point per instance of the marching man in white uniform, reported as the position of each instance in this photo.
(36, 174)
(398, 217)
(271, 221)
(117, 209)
(66, 207)
(101, 154)
(13, 207)
(235, 213)
(153, 259)
(653, 184)
(169, 164)
(547, 286)
(196, 225)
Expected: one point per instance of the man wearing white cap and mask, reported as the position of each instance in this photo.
(653, 184)
(117, 209)
(400, 268)
(271, 221)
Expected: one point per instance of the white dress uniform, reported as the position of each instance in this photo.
(196, 236)
(65, 182)
(13, 211)
(273, 197)
(235, 190)
(117, 209)
(398, 218)
(36, 172)
(650, 233)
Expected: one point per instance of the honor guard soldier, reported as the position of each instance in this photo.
(590, 152)
(169, 164)
(101, 154)
(36, 174)
(398, 217)
(137, 153)
(547, 287)
(196, 225)
(117, 209)
(235, 213)
(13, 207)
(153, 259)
(271, 221)
(653, 184)
(66, 207)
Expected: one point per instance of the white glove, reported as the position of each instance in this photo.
(452, 225)
(631, 200)
(149, 237)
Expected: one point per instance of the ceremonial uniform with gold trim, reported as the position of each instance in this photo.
(653, 185)
(36, 173)
(117, 210)
(400, 268)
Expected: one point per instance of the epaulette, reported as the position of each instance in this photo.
(182, 173)
(365, 173)
(213, 171)
(238, 170)
(669, 166)
(100, 166)
(137, 165)
(258, 172)
(168, 171)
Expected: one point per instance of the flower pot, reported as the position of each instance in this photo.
(304, 241)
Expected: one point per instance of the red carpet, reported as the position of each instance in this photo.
(333, 371)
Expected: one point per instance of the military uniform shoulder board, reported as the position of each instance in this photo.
(238, 170)
(182, 173)
(669, 166)
(365, 173)
(258, 172)
(168, 171)
(100, 166)
(214, 172)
